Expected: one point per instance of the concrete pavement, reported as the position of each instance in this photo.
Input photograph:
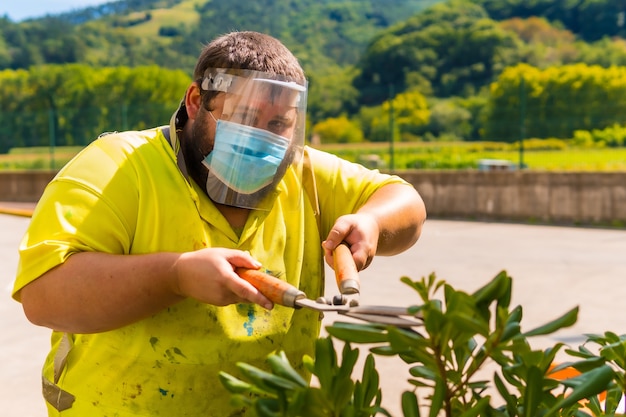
(553, 268)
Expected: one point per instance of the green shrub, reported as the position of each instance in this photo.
(461, 335)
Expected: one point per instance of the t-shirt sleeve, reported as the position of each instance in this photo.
(86, 207)
(343, 187)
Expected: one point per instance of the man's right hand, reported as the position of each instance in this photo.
(208, 275)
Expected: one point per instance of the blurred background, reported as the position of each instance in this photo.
(399, 84)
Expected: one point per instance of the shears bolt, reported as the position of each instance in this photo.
(339, 300)
(322, 300)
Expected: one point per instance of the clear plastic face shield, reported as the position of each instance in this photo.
(259, 139)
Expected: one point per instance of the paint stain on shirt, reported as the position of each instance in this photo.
(248, 325)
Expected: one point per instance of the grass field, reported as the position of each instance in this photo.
(37, 158)
(467, 155)
(181, 15)
(405, 156)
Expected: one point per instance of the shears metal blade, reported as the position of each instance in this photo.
(347, 303)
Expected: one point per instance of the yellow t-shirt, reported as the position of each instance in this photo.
(124, 194)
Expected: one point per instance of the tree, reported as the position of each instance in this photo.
(410, 114)
(554, 102)
(338, 130)
(435, 44)
(73, 104)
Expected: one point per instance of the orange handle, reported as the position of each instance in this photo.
(277, 290)
(345, 270)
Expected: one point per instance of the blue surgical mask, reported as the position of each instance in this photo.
(244, 158)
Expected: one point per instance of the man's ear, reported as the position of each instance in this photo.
(193, 100)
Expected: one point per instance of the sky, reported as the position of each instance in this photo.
(18, 10)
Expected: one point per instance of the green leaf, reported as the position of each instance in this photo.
(616, 351)
(280, 366)
(437, 399)
(509, 399)
(511, 330)
(410, 406)
(586, 385)
(469, 323)
(384, 350)
(534, 388)
(478, 408)
(342, 394)
(267, 407)
(325, 362)
(581, 366)
(402, 337)
(548, 356)
(310, 403)
(612, 337)
(515, 315)
(478, 385)
(370, 381)
(309, 363)
(233, 384)
(418, 355)
(423, 372)
(349, 357)
(594, 406)
(613, 397)
(566, 320)
(434, 322)
(358, 333)
(418, 383)
(582, 352)
(266, 380)
(498, 289)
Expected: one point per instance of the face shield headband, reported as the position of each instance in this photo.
(259, 139)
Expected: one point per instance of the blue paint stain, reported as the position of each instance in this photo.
(251, 318)
(163, 391)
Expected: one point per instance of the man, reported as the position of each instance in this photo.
(131, 253)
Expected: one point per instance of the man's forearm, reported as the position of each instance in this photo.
(400, 213)
(94, 292)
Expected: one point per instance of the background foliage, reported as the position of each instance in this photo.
(401, 70)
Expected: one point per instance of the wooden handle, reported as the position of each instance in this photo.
(277, 290)
(345, 270)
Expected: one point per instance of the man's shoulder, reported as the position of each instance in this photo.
(131, 138)
(318, 157)
(125, 144)
(113, 151)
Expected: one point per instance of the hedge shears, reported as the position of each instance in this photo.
(347, 303)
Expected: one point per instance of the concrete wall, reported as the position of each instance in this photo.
(23, 186)
(546, 197)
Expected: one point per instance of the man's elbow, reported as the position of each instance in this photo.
(417, 215)
(33, 304)
(416, 210)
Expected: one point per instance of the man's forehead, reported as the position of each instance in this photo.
(264, 93)
(263, 111)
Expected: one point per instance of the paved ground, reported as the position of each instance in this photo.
(554, 269)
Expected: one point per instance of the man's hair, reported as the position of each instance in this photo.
(249, 51)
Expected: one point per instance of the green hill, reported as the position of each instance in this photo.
(169, 33)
